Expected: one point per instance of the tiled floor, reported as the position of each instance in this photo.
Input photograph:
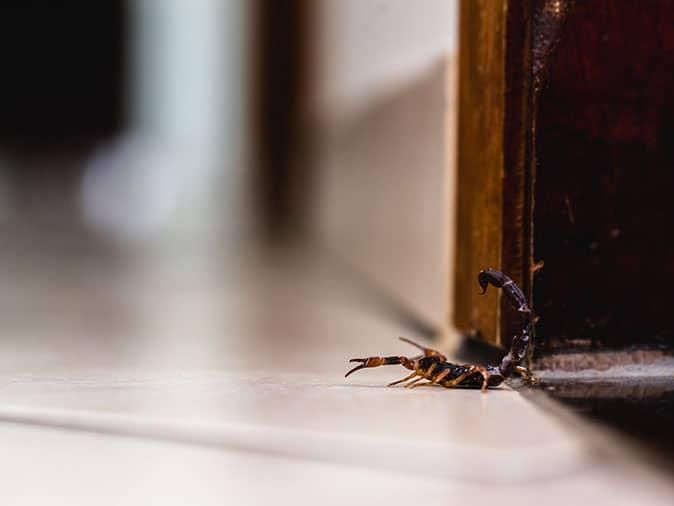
(126, 382)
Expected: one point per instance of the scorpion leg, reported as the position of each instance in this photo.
(428, 383)
(435, 380)
(404, 379)
(473, 369)
(485, 378)
(457, 381)
(413, 383)
(526, 374)
(421, 375)
(441, 376)
(428, 352)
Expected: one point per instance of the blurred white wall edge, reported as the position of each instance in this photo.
(179, 169)
(384, 100)
(369, 49)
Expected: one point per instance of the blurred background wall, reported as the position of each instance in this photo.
(138, 109)
(123, 166)
(383, 102)
(151, 140)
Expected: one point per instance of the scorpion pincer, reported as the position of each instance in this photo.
(433, 366)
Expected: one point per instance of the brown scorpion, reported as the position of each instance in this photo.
(433, 366)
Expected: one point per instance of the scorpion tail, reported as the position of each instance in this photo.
(520, 342)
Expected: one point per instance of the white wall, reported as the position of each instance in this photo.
(369, 49)
(384, 102)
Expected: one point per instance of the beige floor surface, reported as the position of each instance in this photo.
(126, 382)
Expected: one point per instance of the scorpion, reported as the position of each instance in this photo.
(434, 367)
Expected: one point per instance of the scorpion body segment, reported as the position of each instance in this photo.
(433, 366)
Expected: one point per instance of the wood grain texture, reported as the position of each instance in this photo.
(505, 49)
(480, 163)
(605, 131)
